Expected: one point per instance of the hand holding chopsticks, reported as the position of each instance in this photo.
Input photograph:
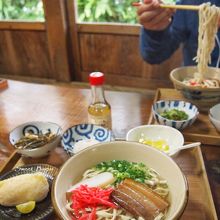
(180, 7)
(156, 16)
(152, 16)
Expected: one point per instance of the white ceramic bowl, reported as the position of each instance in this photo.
(85, 135)
(214, 115)
(121, 150)
(172, 136)
(203, 98)
(190, 109)
(36, 127)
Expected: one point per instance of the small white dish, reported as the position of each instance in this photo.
(172, 136)
(36, 127)
(165, 105)
(214, 115)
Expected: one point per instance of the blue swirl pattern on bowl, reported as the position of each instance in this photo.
(190, 109)
(31, 129)
(36, 127)
(84, 132)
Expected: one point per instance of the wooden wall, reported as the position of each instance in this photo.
(115, 51)
(64, 50)
(24, 53)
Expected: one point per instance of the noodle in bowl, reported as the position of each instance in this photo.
(202, 97)
(201, 84)
(72, 171)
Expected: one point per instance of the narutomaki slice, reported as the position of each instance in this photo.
(159, 202)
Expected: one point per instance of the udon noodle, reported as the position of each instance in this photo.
(209, 16)
(135, 190)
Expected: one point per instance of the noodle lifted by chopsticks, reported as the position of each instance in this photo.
(208, 26)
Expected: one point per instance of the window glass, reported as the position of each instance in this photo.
(108, 11)
(21, 9)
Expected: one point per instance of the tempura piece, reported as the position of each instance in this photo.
(23, 188)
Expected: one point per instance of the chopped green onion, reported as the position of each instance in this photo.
(122, 169)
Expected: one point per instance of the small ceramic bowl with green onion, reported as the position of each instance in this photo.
(175, 113)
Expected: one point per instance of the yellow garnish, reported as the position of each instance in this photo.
(159, 144)
(26, 208)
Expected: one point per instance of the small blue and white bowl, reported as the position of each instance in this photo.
(36, 127)
(82, 136)
(160, 106)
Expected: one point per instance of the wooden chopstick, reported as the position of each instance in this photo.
(136, 4)
(181, 7)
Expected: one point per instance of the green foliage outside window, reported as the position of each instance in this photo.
(21, 9)
(88, 10)
(109, 10)
(106, 11)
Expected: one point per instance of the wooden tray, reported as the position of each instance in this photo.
(200, 204)
(201, 130)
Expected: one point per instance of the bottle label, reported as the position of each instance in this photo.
(104, 121)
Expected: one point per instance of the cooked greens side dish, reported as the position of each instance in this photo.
(175, 114)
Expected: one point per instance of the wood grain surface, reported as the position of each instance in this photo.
(56, 30)
(118, 56)
(66, 105)
(24, 53)
(22, 25)
(63, 49)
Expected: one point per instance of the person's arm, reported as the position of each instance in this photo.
(160, 36)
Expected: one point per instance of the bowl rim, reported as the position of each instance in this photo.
(87, 124)
(214, 119)
(64, 145)
(158, 125)
(192, 117)
(155, 125)
(215, 123)
(98, 126)
(186, 189)
(180, 83)
(59, 132)
(214, 107)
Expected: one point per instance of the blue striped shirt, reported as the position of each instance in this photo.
(157, 46)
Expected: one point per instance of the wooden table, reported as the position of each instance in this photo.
(66, 105)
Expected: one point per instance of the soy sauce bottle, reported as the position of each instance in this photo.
(99, 111)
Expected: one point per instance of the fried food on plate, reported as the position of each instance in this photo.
(23, 188)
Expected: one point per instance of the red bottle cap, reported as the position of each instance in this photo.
(96, 78)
